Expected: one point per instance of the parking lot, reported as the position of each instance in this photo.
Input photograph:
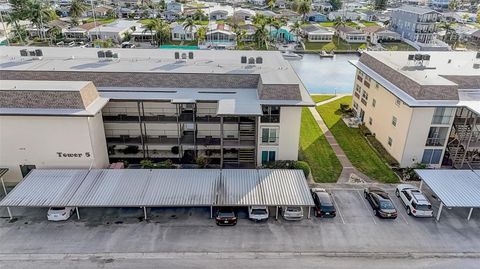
(355, 229)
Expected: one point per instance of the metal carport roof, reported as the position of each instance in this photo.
(45, 188)
(455, 188)
(160, 187)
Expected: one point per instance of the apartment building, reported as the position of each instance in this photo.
(417, 26)
(85, 108)
(423, 108)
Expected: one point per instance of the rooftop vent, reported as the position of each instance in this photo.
(177, 55)
(476, 66)
(184, 56)
(36, 54)
(259, 60)
(107, 55)
(478, 55)
(190, 55)
(251, 60)
(243, 59)
(101, 54)
(418, 59)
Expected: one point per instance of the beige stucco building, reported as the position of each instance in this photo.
(82, 108)
(422, 108)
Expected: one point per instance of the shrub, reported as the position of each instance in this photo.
(202, 161)
(377, 146)
(289, 165)
(409, 173)
(149, 164)
(364, 129)
(344, 108)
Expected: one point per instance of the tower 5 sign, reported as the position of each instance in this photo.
(73, 155)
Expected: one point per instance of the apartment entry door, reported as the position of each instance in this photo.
(362, 114)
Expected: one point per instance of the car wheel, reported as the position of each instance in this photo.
(365, 194)
(397, 193)
(409, 212)
(374, 212)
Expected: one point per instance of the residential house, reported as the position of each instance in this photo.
(346, 15)
(258, 2)
(100, 11)
(219, 36)
(315, 33)
(370, 15)
(250, 30)
(268, 13)
(141, 35)
(351, 35)
(422, 107)
(315, 16)
(125, 12)
(175, 7)
(127, 3)
(475, 37)
(115, 31)
(243, 15)
(384, 35)
(180, 33)
(284, 34)
(219, 14)
(80, 32)
(281, 4)
(417, 25)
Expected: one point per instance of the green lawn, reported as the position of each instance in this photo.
(358, 151)
(369, 23)
(315, 150)
(317, 98)
(398, 46)
(337, 44)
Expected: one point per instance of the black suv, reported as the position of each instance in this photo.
(324, 206)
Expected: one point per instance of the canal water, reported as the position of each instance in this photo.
(326, 75)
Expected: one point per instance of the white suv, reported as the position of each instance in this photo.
(258, 213)
(415, 202)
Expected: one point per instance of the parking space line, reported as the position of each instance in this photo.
(366, 206)
(338, 208)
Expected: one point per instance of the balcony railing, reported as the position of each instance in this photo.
(435, 142)
(270, 118)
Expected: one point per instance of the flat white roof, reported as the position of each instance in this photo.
(42, 85)
(160, 187)
(455, 188)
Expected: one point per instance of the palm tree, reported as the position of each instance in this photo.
(240, 36)
(447, 26)
(40, 14)
(202, 33)
(277, 24)
(162, 32)
(295, 28)
(271, 4)
(261, 36)
(77, 8)
(188, 25)
(258, 19)
(199, 15)
(339, 22)
(304, 8)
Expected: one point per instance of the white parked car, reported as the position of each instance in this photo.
(59, 213)
(292, 212)
(415, 202)
(258, 213)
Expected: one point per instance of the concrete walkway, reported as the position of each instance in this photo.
(349, 172)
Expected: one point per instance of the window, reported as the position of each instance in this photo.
(370, 120)
(358, 91)
(377, 85)
(390, 141)
(437, 136)
(268, 156)
(365, 95)
(271, 114)
(374, 102)
(407, 195)
(394, 121)
(432, 156)
(270, 135)
(398, 102)
(443, 115)
(355, 105)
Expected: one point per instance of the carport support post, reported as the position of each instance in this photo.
(5, 191)
(211, 212)
(421, 184)
(145, 213)
(309, 209)
(276, 213)
(78, 214)
(439, 211)
(470, 213)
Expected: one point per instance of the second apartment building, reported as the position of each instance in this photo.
(423, 108)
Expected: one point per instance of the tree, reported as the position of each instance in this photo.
(199, 15)
(202, 33)
(295, 28)
(449, 32)
(40, 13)
(271, 4)
(188, 25)
(277, 24)
(339, 22)
(304, 7)
(380, 4)
(453, 5)
(261, 34)
(159, 30)
(240, 37)
(336, 4)
(77, 8)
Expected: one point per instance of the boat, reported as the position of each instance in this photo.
(288, 55)
(323, 54)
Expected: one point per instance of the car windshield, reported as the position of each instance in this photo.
(57, 208)
(294, 209)
(386, 204)
(423, 207)
(258, 211)
(327, 208)
(226, 214)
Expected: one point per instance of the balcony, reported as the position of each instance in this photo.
(236, 143)
(435, 142)
(270, 118)
(124, 140)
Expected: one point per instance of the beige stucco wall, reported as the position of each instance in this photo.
(413, 124)
(289, 135)
(27, 140)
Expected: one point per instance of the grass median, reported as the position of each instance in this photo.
(354, 144)
(315, 150)
(317, 98)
